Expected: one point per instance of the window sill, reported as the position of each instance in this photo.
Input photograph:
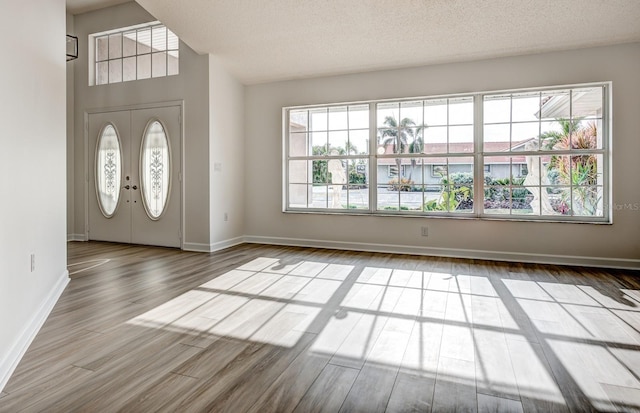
(466, 217)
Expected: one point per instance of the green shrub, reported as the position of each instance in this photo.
(507, 193)
(320, 172)
(404, 184)
(459, 178)
(356, 178)
(451, 199)
(455, 195)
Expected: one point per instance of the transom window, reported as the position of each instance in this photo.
(524, 154)
(131, 53)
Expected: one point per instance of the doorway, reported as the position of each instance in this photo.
(134, 176)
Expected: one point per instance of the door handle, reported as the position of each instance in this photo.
(134, 187)
(126, 187)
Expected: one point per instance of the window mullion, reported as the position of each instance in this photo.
(478, 139)
(373, 161)
(607, 157)
(108, 59)
(285, 157)
(348, 159)
(570, 156)
(122, 57)
(136, 56)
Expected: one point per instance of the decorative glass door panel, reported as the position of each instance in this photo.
(108, 171)
(155, 169)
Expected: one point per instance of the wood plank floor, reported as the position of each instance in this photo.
(258, 328)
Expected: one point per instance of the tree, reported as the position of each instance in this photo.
(551, 138)
(320, 170)
(404, 137)
(579, 171)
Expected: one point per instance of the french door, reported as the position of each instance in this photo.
(134, 171)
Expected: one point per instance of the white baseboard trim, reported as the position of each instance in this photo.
(603, 262)
(11, 360)
(76, 237)
(622, 263)
(196, 247)
(216, 246)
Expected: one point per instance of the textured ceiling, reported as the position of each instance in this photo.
(262, 41)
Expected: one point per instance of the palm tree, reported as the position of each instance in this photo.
(405, 137)
(402, 136)
(551, 138)
(579, 171)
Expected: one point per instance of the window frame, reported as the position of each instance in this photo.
(94, 60)
(478, 155)
(348, 157)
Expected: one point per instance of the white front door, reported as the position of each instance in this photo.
(134, 171)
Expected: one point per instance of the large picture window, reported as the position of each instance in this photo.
(525, 154)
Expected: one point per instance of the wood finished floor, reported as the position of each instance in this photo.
(276, 329)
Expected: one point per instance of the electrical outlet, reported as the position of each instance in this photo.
(226, 216)
(33, 262)
(425, 231)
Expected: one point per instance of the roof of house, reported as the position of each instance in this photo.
(453, 147)
(463, 148)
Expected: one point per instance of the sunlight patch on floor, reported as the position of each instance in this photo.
(500, 335)
(264, 301)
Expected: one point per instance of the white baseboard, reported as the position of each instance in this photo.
(196, 247)
(10, 362)
(603, 262)
(76, 237)
(188, 246)
(622, 263)
(216, 246)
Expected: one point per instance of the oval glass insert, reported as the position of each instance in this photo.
(155, 169)
(108, 170)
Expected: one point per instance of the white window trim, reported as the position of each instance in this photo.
(478, 154)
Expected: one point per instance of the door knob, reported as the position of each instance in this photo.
(126, 187)
(135, 187)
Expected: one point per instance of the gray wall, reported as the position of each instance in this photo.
(32, 171)
(620, 64)
(70, 133)
(191, 85)
(226, 164)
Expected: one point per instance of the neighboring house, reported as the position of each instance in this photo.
(430, 173)
(433, 169)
